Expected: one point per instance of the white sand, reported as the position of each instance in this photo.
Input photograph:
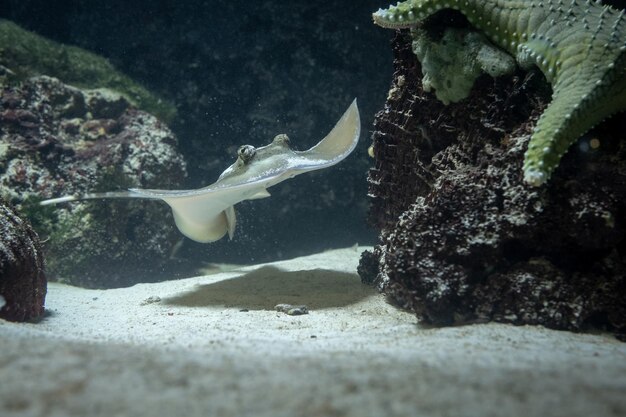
(195, 353)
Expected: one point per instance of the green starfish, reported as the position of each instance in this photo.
(578, 45)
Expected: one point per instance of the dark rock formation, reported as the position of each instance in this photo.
(57, 140)
(464, 239)
(22, 278)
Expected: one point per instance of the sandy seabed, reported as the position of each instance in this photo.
(213, 345)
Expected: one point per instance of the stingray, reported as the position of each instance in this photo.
(207, 214)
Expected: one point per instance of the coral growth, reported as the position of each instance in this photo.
(464, 239)
(22, 278)
(56, 140)
(452, 64)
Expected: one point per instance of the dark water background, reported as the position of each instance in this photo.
(240, 72)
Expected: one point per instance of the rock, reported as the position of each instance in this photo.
(25, 54)
(61, 140)
(22, 278)
(463, 239)
(151, 300)
(292, 310)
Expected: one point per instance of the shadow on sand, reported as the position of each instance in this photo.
(267, 286)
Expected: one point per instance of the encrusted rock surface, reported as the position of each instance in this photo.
(464, 239)
(22, 277)
(56, 140)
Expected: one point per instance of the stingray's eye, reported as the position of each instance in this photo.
(246, 153)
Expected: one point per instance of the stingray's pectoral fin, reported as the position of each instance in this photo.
(261, 194)
(231, 221)
(202, 228)
(339, 143)
(207, 231)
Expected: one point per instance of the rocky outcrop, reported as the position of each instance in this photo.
(58, 140)
(24, 54)
(22, 278)
(464, 239)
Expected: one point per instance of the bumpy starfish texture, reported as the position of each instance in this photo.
(580, 46)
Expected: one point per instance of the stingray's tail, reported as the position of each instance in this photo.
(93, 196)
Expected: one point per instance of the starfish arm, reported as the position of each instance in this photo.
(502, 21)
(579, 46)
(559, 126)
(574, 110)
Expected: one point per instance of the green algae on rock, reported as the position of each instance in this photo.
(24, 54)
(580, 47)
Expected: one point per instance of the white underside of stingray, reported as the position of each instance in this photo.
(207, 214)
